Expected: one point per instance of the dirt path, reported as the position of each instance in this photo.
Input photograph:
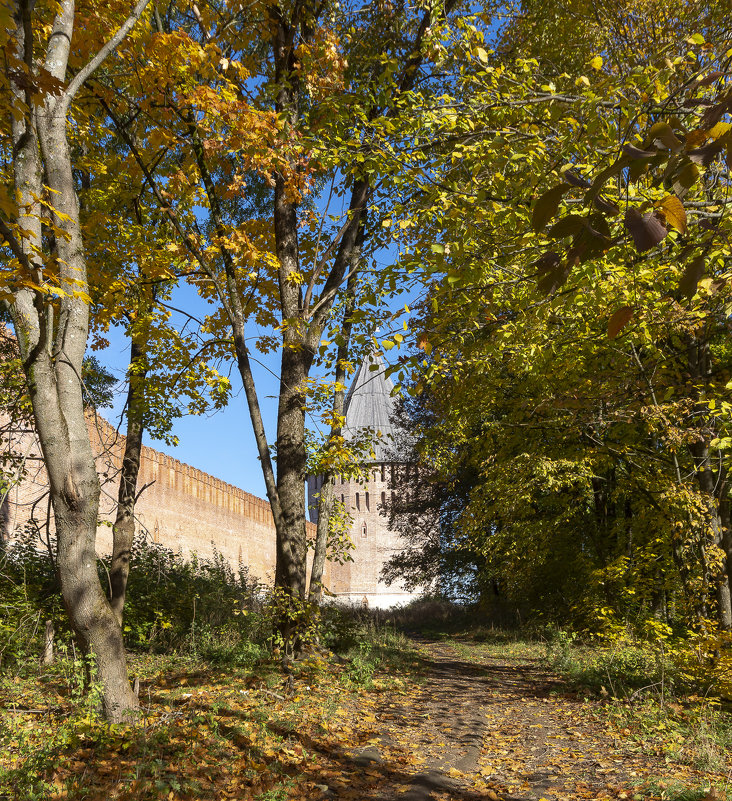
(486, 727)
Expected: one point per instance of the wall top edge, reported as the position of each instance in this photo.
(108, 430)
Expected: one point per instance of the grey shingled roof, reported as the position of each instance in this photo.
(369, 404)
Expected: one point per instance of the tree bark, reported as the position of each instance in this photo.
(47, 656)
(710, 485)
(52, 338)
(123, 531)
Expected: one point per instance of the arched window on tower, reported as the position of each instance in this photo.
(383, 472)
(368, 507)
(364, 530)
(358, 501)
(383, 500)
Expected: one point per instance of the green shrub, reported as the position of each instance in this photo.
(623, 668)
(29, 595)
(175, 603)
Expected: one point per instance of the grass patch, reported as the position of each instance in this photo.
(648, 700)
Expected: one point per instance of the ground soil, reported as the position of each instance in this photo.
(486, 727)
(451, 721)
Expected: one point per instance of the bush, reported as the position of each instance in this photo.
(29, 595)
(621, 669)
(173, 604)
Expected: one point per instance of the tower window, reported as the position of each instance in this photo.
(367, 502)
(343, 499)
(358, 501)
(383, 472)
(383, 499)
(364, 530)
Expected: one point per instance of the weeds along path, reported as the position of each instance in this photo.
(492, 723)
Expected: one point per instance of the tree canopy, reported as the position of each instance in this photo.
(555, 193)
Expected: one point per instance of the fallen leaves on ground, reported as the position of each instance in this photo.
(469, 724)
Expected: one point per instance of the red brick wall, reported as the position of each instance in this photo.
(182, 508)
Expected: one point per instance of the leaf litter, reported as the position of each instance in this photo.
(466, 723)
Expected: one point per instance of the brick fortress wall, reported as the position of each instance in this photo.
(181, 507)
(374, 542)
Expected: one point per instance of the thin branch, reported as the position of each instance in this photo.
(90, 67)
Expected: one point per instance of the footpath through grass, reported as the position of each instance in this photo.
(481, 715)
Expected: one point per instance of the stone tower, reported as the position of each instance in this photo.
(369, 405)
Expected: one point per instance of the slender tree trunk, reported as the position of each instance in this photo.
(123, 531)
(47, 656)
(724, 513)
(325, 500)
(710, 484)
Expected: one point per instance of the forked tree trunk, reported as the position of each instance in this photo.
(123, 531)
(52, 336)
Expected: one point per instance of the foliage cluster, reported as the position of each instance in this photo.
(575, 441)
(574, 446)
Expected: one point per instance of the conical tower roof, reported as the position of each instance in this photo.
(369, 404)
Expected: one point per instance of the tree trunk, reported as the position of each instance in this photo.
(325, 507)
(712, 484)
(52, 349)
(291, 462)
(724, 513)
(47, 656)
(709, 485)
(325, 500)
(123, 532)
